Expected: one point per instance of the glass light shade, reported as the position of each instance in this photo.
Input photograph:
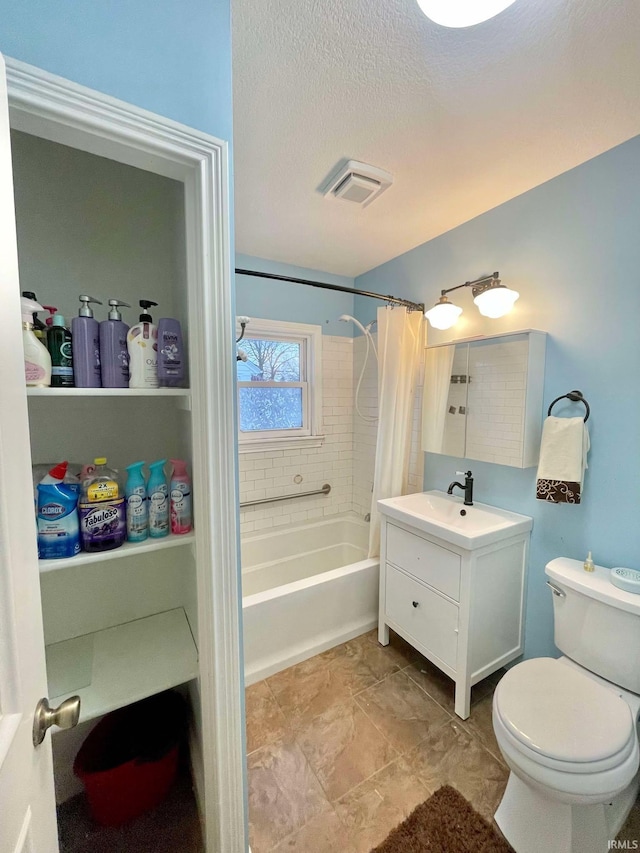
(462, 13)
(443, 315)
(496, 301)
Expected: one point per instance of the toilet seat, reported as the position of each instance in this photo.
(558, 717)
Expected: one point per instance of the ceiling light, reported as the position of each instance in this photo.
(462, 13)
(444, 314)
(492, 297)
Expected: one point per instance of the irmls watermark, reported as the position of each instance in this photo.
(623, 845)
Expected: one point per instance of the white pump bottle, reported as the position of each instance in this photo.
(37, 361)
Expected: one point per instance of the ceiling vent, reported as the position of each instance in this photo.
(357, 182)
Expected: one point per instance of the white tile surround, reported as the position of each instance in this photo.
(272, 473)
(346, 459)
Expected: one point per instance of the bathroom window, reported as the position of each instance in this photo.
(279, 385)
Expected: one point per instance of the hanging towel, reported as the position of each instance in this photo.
(563, 459)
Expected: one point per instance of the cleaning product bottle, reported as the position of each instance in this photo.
(142, 343)
(59, 346)
(86, 345)
(103, 523)
(170, 353)
(180, 494)
(39, 328)
(137, 508)
(114, 355)
(57, 516)
(588, 565)
(158, 492)
(47, 323)
(37, 361)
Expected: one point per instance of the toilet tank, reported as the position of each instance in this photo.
(596, 624)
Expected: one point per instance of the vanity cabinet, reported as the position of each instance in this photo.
(462, 609)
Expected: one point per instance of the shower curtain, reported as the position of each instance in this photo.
(399, 342)
(437, 383)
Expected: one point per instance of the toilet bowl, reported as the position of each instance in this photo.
(570, 741)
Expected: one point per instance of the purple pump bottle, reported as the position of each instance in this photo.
(114, 355)
(170, 353)
(86, 346)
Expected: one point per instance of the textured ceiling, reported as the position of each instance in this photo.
(464, 119)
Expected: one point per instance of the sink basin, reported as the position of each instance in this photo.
(441, 515)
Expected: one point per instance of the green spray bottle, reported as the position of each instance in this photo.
(158, 491)
(137, 505)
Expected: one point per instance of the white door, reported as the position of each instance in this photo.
(27, 805)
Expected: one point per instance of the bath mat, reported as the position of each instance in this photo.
(445, 823)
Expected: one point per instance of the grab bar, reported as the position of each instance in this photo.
(323, 491)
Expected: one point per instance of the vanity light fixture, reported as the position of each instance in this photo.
(492, 297)
(462, 13)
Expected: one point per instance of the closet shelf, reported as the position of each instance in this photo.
(129, 549)
(108, 392)
(124, 664)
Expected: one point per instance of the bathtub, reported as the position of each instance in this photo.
(305, 589)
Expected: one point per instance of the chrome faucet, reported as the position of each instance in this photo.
(468, 487)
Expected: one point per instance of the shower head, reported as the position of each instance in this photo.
(347, 318)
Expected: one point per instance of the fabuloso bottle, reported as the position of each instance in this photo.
(158, 492)
(103, 523)
(137, 508)
(37, 361)
(180, 498)
(142, 343)
(86, 345)
(114, 353)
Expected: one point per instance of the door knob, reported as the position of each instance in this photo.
(65, 716)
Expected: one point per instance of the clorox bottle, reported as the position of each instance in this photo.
(58, 528)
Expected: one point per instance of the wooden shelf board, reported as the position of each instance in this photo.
(129, 549)
(124, 664)
(108, 392)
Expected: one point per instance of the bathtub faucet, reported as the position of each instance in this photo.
(468, 486)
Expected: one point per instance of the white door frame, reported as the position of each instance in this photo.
(59, 110)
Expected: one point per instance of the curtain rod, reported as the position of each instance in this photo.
(395, 300)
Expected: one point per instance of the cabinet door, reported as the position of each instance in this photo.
(27, 806)
(423, 614)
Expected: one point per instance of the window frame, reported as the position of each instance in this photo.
(310, 339)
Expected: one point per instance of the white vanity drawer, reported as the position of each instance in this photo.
(428, 562)
(422, 613)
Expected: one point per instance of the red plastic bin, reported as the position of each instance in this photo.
(130, 760)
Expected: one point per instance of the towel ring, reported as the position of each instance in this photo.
(575, 397)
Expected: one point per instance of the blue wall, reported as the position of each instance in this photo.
(297, 303)
(572, 248)
(170, 57)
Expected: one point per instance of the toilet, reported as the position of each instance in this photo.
(567, 727)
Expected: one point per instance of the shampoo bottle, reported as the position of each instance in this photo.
(142, 343)
(37, 361)
(180, 494)
(59, 346)
(114, 355)
(137, 507)
(170, 353)
(158, 492)
(103, 523)
(86, 346)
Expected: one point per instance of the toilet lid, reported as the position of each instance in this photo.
(558, 712)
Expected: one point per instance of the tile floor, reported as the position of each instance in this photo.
(342, 747)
